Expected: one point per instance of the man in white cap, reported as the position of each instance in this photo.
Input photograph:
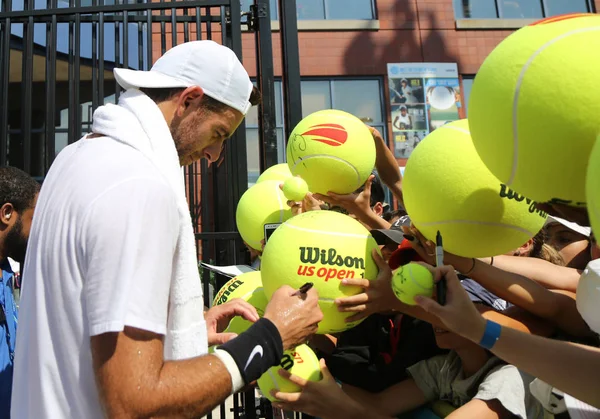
(112, 310)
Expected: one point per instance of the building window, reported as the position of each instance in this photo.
(467, 82)
(360, 97)
(518, 9)
(325, 9)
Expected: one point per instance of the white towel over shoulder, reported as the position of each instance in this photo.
(139, 123)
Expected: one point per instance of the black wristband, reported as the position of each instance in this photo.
(256, 350)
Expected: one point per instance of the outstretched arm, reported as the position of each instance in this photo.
(387, 166)
(569, 366)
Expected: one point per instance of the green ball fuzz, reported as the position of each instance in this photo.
(295, 188)
(411, 280)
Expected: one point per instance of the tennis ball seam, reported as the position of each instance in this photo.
(485, 223)
(329, 233)
(414, 280)
(464, 131)
(281, 208)
(273, 379)
(513, 172)
(301, 159)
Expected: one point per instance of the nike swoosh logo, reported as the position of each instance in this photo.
(258, 350)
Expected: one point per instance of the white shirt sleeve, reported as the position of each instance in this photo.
(129, 237)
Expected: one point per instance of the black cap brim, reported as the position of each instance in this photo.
(383, 237)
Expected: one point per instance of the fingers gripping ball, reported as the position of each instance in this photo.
(301, 361)
(333, 151)
(593, 188)
(519, 114)
(263, 203)
(279, 172)
(322, 247)
(447, 187)
(295, 188)
(411, 280)
(249, 288)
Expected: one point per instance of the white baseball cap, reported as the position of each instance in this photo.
(213, 67)
(585, 231)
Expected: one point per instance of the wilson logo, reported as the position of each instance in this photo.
(330, 134)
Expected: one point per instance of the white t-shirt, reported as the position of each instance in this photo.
(99, 258)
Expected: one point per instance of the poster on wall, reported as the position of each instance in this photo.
(424, 96)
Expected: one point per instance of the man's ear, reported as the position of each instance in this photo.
(189, 99)
(378, 209)
(526, 248)
(7, 214)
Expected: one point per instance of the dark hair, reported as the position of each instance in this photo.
(17, 188)
(207, 102)
(542, 250)
(387, 216)
(377, 192)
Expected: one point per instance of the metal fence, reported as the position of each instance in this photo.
(56, 62)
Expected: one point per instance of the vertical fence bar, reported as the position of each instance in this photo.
(4, 81)
(163, 32)
(173, 27)
(117, 57)
(265, 70)
(292, 95)
(51, 111)
(71, 105)
(101, 35)
(26, 87)
(198, 24)
(94, 62)
(125, 39)
(149, 59)
(140, 29)
(76, 109)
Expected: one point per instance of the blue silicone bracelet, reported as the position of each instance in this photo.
(490, 335)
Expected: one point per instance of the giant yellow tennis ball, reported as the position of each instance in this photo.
(249, 288)
(411, 280)
(264, 203)
(301, 361)
(332, 151)
(592, 188)
(322, 247)
(534, 107)
(278, 172)
(447, 187)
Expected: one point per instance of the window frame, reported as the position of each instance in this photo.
(382, 127)
(282, 143)
(466, 97)
(499, 11)
(326, 13)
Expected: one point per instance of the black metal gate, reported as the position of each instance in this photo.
(56, 62)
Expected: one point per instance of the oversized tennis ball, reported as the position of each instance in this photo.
(332, 151)
(322, 247)
(295, 188)
(592, 188)
(264, 203)
(522, 115)
(447, 187)
(411, 280)
(301, 361)
(278, 172)
(249, 288)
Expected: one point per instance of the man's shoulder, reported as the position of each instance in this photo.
(103, 162)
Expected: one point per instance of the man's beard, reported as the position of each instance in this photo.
(15, 243)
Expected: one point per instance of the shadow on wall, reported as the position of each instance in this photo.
(370, 52)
